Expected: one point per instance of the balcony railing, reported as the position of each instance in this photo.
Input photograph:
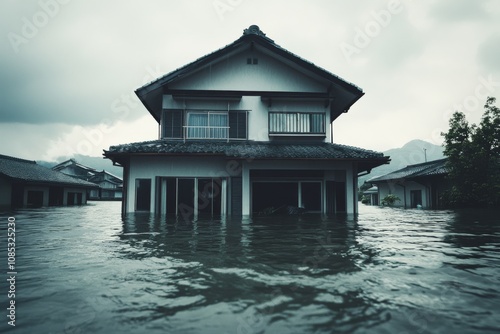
(296, 123)
(206, 132)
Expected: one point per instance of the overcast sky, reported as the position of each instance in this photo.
(69, 68)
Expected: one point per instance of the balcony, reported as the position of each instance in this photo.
(296, 123)
(206, 132)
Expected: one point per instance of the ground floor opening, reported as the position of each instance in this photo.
(306, 190)
(252, 191)
(186, 196)
(306, 195)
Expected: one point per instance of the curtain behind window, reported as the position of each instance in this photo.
(197, 125)
(207, 125)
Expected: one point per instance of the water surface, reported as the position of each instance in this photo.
(87, 270)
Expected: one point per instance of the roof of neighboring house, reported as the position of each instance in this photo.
(342, 94)
(372, 190)
(101, 177)
(28, 171)
(250, 150)
(73, 163)
(435, 167)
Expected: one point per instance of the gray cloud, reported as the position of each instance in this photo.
(459, 10)
(82, 67)
(84, 64)
(488, 54)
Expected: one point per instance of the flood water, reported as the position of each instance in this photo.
(87, 270)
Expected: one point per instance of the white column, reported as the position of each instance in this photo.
(245, 178)
(195, 204)
(152, 203)
(355, 187)
(349, 179)
(223, 197)
(163, 196)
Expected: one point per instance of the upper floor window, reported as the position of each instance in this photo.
(296, 123)
(180, 124)
(207, 125)
(171, 124)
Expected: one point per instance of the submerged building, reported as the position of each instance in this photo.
(25, 184)
(109, 185)
(417, 186)
(244, 129)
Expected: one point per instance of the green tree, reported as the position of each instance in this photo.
(473, 153)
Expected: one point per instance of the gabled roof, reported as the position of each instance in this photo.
(28, 171)
(341, 94)
(74, 163)
(251, 150)
(101, 177)
(435, 167)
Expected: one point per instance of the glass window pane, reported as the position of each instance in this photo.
(218, 125)
(197, 125)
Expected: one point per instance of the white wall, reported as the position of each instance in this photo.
(151, 167)
(400, 191)
(258, 111)
(234, 73)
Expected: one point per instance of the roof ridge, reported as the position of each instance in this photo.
(427, 162)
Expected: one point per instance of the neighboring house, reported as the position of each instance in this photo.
(419, 185)
(244, 129)
(110, 186)
(72, 168)
(371, 195)
(23, 183)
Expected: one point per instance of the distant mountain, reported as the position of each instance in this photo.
(93, 162)
(413, 152)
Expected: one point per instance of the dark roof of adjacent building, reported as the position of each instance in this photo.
(341, 99)
(29, 171)
(425, 169)
(101, 177)
(249, 150)
(73, 163)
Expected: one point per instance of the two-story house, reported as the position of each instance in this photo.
(242, 130)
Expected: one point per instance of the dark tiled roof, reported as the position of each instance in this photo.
(247, 150)
(73, 163)
(28, 171)
(436, 167)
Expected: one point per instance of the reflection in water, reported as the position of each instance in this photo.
(85, 269)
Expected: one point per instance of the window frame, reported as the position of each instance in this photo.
(207, 127)
(165, 126)
(295, 124)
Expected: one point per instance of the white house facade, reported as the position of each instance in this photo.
(244, 129)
